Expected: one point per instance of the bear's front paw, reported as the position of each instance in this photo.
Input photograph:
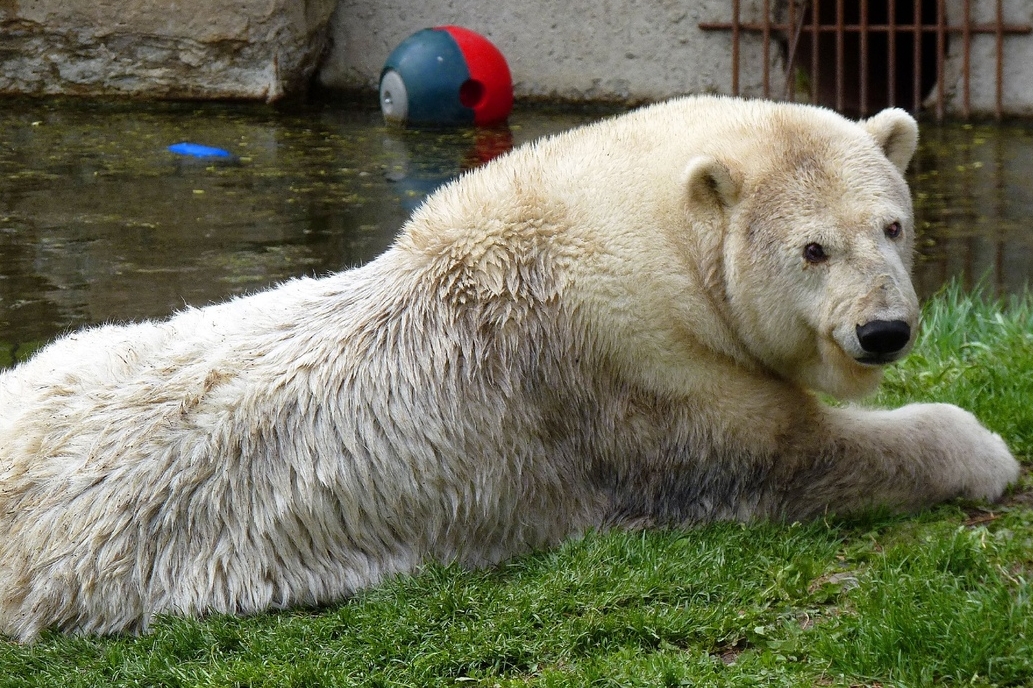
(979, 464)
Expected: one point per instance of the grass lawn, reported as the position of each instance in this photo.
(941, 598)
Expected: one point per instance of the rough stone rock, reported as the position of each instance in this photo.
(203, 49)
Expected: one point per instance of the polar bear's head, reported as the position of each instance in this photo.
(817, 235)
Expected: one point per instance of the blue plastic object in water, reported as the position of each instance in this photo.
(196, 150)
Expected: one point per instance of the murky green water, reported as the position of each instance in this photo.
(973, 187)
(99, 222)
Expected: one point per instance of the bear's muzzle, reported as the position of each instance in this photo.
(883, 340)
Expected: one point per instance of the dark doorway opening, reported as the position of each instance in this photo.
(865, 62)
(859, 56)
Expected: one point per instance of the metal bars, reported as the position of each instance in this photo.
(805, 19)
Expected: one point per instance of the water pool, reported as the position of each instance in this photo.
(99, 222)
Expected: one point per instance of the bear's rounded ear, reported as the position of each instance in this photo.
(708, 182)
(896, 132)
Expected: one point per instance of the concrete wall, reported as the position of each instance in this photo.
(1018, 60)
(569, 49)
(630, 50)
(639, 49)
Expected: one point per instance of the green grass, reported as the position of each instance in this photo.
(941, 598)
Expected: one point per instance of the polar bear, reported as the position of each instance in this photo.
(621, 326)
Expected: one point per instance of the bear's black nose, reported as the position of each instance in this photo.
(883, 337)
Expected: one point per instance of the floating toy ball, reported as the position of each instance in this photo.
(196, 150)
(446, 75)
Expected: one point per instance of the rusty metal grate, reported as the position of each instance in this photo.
(887, 53)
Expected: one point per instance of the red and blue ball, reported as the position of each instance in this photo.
(447, 75)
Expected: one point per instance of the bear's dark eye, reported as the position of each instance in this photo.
(814, 253)
(893, 230)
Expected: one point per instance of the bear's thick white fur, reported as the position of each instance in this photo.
(618, 326)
